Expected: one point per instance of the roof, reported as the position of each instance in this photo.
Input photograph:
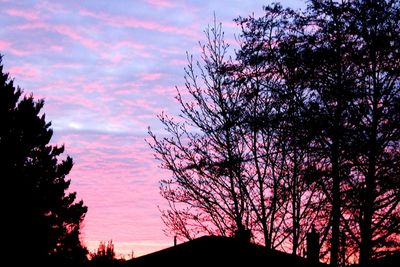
(392, 260)
(218, 251)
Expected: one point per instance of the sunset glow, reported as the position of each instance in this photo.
(105, 70)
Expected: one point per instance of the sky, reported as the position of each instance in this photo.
(105, 70)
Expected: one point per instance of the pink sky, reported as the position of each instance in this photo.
(105, 70)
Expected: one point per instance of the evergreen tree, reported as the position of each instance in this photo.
(42, 219)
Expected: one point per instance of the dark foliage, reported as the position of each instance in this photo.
(42, 220)
(301, 128)
(104, 256)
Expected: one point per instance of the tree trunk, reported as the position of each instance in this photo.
(367, 208)
(295, 206)
(335, 210)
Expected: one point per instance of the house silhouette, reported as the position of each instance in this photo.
(220, 251)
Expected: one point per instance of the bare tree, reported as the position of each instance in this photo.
(278, 144)
(266, 161)
(301, 129)
(204, 151)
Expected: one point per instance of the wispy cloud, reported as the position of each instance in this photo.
(151, 76)
(162, 3)
(105, 70)
(30, 15)
(26, 71)
(66, 30)
(121, 196)
(8, 46)
(132, 22)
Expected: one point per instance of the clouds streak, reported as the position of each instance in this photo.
(105, 70)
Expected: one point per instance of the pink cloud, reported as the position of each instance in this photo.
(74, 35)
(179, 62)
(129, 22)
(164, 91)
(63, 65)
(77, 99)
(142, 105)
(26, 14)
(19, 52)
(6, 46)
(62, 93)
(132, 45)
(68, 87)
(121, 52)
(94, 86)
(51, 6)
(127, 88)
(116, 58)
(57, 48)
(117, 178)
(27, 72)
(63, 30)
(151, 76)
(161, 3)
(128, 43)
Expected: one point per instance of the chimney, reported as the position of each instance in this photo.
(175, 241)
(243, 235)
(313, 246)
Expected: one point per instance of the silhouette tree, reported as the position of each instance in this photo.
(352, 69)
(104, 256)
(42, 219)
(330, 75)
(375, 143)
(337, 67)
(274, 120)
(204, 151)
(311, 104)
